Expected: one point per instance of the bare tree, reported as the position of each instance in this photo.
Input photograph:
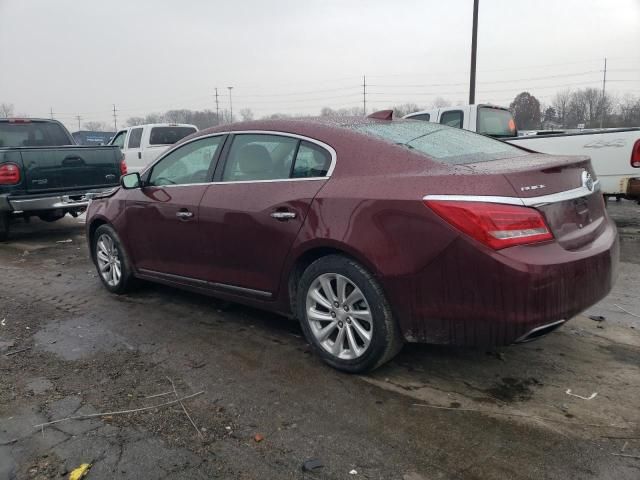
(400, 111)
(560, 104)
(276, 116)
(629, 111)
(246, 114)
(133, 121)
(96, 126)
(440, 102)
(6, 110)
(341, 112)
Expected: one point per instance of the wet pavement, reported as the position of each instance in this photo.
(432, 413)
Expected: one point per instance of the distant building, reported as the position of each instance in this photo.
(86, 137)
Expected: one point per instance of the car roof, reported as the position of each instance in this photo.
(159, 125)
(300, 125)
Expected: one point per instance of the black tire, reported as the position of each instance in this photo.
(4, 226)
(51, 217)
(126, 280)
(386, 340)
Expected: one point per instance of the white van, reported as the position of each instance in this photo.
(142, 144)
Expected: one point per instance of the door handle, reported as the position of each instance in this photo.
(184, 214)
(283, 215)
(140, 155)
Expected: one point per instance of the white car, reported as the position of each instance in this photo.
(142, 144)
(614, 153)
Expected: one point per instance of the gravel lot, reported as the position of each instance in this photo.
(432, 413)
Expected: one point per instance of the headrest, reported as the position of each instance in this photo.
(253, 159)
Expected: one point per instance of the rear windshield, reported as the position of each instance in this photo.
(496, 122)
(169, 135)
(445, 144)
(32, 134)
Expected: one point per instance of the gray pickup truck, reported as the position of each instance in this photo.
(44, 174)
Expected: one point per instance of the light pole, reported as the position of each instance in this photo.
(230, 104)
(474, 47)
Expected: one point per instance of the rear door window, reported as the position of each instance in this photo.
(259, 157)
(134, 138)
(169, 135)
(452, 118)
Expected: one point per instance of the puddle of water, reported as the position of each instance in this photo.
(79, 337)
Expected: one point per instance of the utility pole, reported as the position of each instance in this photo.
(364, 95)
(51, 112)
(78, 117)
(115, 118)
(217, 108)
(604, 84)
(474, 48)
(230, 105)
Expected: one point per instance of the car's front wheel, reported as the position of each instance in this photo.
(345, 316)
(111, 260)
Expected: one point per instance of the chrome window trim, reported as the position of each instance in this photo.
(327, 147)
(574, 193)
(241, 181)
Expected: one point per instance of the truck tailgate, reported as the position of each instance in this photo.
(68, 168)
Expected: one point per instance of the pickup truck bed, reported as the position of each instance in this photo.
(615, 155)
(51, 181)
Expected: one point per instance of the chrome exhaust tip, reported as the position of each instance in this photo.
(538, 332)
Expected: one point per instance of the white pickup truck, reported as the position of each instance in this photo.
(615, 153)
(142, 144)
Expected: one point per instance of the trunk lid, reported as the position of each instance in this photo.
(564, 188)
(70, 168)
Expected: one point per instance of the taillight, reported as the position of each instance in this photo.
(9, 174)
(123, 166)
(494, 224)
(635, 155)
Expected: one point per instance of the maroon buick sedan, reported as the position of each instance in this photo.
(371, 231)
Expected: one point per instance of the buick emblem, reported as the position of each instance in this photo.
(587, 180)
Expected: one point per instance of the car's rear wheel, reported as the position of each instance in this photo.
(4, 226)
(111, 260)
(345, 315)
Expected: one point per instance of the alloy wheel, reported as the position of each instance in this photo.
(108, 260)
(339, 316)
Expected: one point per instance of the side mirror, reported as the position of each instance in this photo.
(131, 180)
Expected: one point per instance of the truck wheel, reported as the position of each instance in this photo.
(4, 227)
(51, 216)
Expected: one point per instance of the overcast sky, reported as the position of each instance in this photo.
(295, 56)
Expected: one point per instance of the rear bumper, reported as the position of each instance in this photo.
(66, 201)
(470, 297)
